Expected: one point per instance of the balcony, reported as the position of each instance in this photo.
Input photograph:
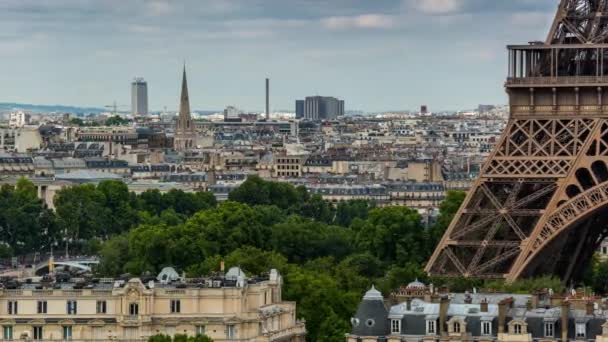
(297, 330)
(560, 81)
(560, 110)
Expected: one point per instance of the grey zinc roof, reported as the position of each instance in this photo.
(491, 298)
(423, 308)
(87, 175)
(371, 318)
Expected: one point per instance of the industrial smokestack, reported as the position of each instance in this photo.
(268, 99)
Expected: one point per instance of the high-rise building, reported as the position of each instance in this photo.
(185, 133)
(139, 97)
(319, 108)
(424, 110)
(299, 109)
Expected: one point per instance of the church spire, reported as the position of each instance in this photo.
(184, 104)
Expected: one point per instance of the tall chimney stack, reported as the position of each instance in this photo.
(267, 99)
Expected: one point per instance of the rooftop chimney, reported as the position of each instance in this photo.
(565, 308)
(443, 313)
(483, 306)
(590, 308)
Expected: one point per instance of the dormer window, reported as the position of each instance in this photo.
(549, 329)
(430, 327)
(395, 326)
(486, 328)
(517, 328)
(581, 330)
(456, 327)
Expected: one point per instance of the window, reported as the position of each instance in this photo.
(517, 328)
(430, 327)
(370, 322)
(133, 309)
(37, 333)
(175, 306)
(549, 329)
(42, 306)
(71, 307)
(7, 332)
(12, 307)
(230, 331)
(486, 328)
(456, 327)
(200, 330)
(67, 332)
(580, 330)
(395, 326)
(102, 307)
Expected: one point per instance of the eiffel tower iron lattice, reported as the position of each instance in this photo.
(540, 205)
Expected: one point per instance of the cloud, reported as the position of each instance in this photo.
(436, 7)
(365, 21)
(159, 7)
(530, 19)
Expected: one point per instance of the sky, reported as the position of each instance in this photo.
(377, 55)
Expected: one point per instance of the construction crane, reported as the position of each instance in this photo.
(114, 108)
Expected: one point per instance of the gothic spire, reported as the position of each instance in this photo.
(184, 105)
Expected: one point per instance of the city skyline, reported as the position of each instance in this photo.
(378, 56)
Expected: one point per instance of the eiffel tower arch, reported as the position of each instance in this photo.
(540, 205)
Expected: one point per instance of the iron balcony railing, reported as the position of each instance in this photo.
(559, 80)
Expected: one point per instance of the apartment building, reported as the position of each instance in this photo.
(233, 307)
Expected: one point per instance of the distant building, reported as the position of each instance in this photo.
(19, 119)
(232, 113)
(482, 109)
(319, 108)
(299, 109)
(424, 110)
(139, 97)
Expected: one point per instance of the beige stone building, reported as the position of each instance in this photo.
(230, 308)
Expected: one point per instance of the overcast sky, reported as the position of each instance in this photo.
(375, 54)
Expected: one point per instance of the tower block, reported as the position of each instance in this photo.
(540, 205)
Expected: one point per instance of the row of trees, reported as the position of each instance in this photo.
(85, 215)
(111, 121)
(329, 255)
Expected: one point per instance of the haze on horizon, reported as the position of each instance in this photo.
(376, 55)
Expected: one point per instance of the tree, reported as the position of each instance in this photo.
(318, 295)
(447, 210)
(25, 224)
(392, 234)
(80, 211)
(347, 211)
(256, 191)
(255, 261)
(76, 121)
(159, 338)
(114, 255)
(116, 121)
(200, 338)
(301, 239)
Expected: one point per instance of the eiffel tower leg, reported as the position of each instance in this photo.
(547, 178)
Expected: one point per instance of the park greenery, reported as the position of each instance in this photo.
(179, 338)
(329, 254)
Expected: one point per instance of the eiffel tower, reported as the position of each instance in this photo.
(540, 205)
